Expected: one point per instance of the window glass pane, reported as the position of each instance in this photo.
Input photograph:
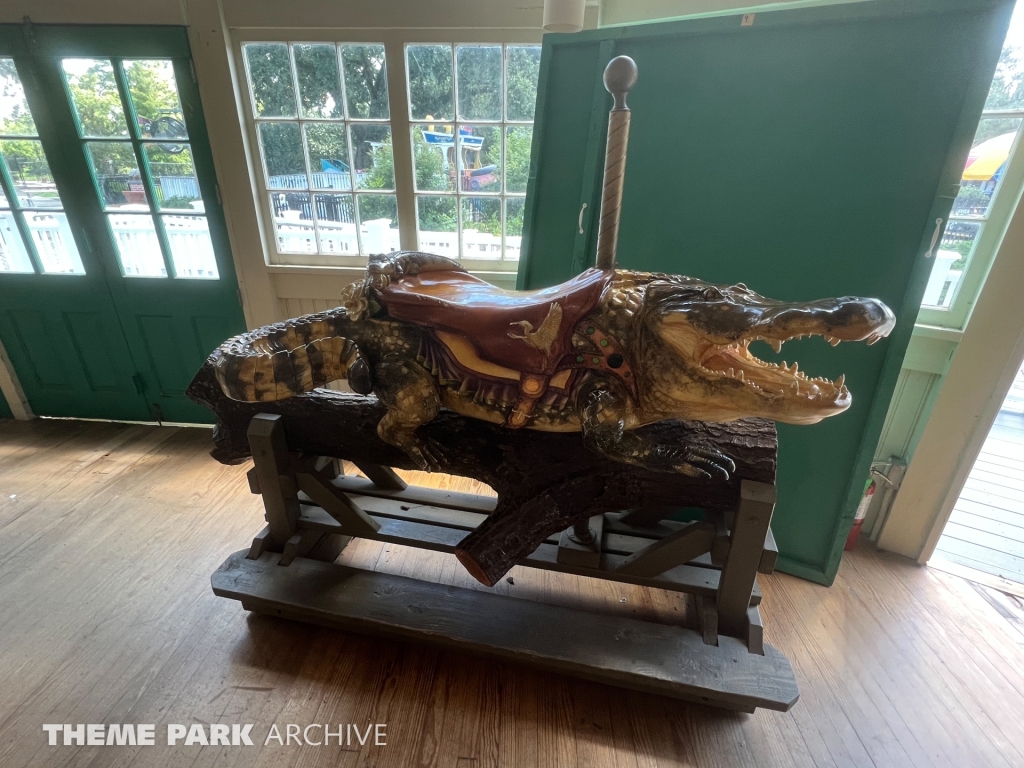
(33, 183)
(154, 94)
(15, 119)
(430, 82)
(316, 69)
(137, 245)
(517, 157)
(174, 176)
(378, 217)
(54, 242)
(191, 247)
(986, 162)
(434, 158)
(514, 209)
(437, 225)
(95, 97)
(335, 223)
(328, 155)
(950, 262)
(293, 222)
(366, 81)
(481, 228)
(13, 256)
(521, 73)
(117, 174)
(479, 84)
(480, 159)
(3, 199)
(270, 79)
(1007, 89)
(282, 153)
(372, 157)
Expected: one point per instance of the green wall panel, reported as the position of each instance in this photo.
(807, 156)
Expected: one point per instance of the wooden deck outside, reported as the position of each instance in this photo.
(109, 534)
(985, 532)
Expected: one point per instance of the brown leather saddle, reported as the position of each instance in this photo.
(519, 335)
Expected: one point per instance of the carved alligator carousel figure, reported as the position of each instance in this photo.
(603, 354)
(607, 352)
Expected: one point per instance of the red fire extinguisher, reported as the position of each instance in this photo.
(858, 518)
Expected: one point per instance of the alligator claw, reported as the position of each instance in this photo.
(429, 456)
(701, 461)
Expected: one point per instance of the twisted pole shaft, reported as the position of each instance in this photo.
(619, 78)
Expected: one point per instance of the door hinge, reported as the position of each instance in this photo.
(192, 70)
(216, 188)
(140, 385)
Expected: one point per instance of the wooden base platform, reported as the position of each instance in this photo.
(642, 655)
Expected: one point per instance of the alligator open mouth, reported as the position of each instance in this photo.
(773, 380)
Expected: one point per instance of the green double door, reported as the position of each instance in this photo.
(116, 278)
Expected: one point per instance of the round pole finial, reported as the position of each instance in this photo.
(619, 78)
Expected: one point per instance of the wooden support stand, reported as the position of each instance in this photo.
(312, 512)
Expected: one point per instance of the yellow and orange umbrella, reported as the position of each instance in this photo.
(985, 160)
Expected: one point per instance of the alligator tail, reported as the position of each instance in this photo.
(279, 361)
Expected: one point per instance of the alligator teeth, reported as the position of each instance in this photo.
(731, 374)
(840, 381)
(795, 386)
(795, 368)
(873, 339)
(740, 376)
(833, 341)
(776, 345)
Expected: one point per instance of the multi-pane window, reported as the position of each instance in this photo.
(34, 231)
(471, 107)
(325, 136)
(133, 134)
(322, 120)
(995, 144)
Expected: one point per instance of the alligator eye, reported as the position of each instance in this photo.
(615, 361)
(712, 294)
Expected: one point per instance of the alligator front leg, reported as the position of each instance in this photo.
(602, 410)
(410, 395)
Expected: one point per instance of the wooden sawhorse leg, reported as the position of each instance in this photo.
(750, 527)
(273, 477)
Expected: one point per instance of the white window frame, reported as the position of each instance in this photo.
(395, 42)
(993, 226)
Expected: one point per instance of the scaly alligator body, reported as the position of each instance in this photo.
(604, 354)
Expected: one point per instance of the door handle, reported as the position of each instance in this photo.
(580, 222)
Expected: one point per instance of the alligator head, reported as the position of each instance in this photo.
(708, 329)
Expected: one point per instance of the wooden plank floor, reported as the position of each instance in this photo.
(986, 528)
(109, 533)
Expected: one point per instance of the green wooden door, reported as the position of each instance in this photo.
(155, 290)
(808, 154)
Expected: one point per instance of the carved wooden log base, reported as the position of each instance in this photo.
(546, 482)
